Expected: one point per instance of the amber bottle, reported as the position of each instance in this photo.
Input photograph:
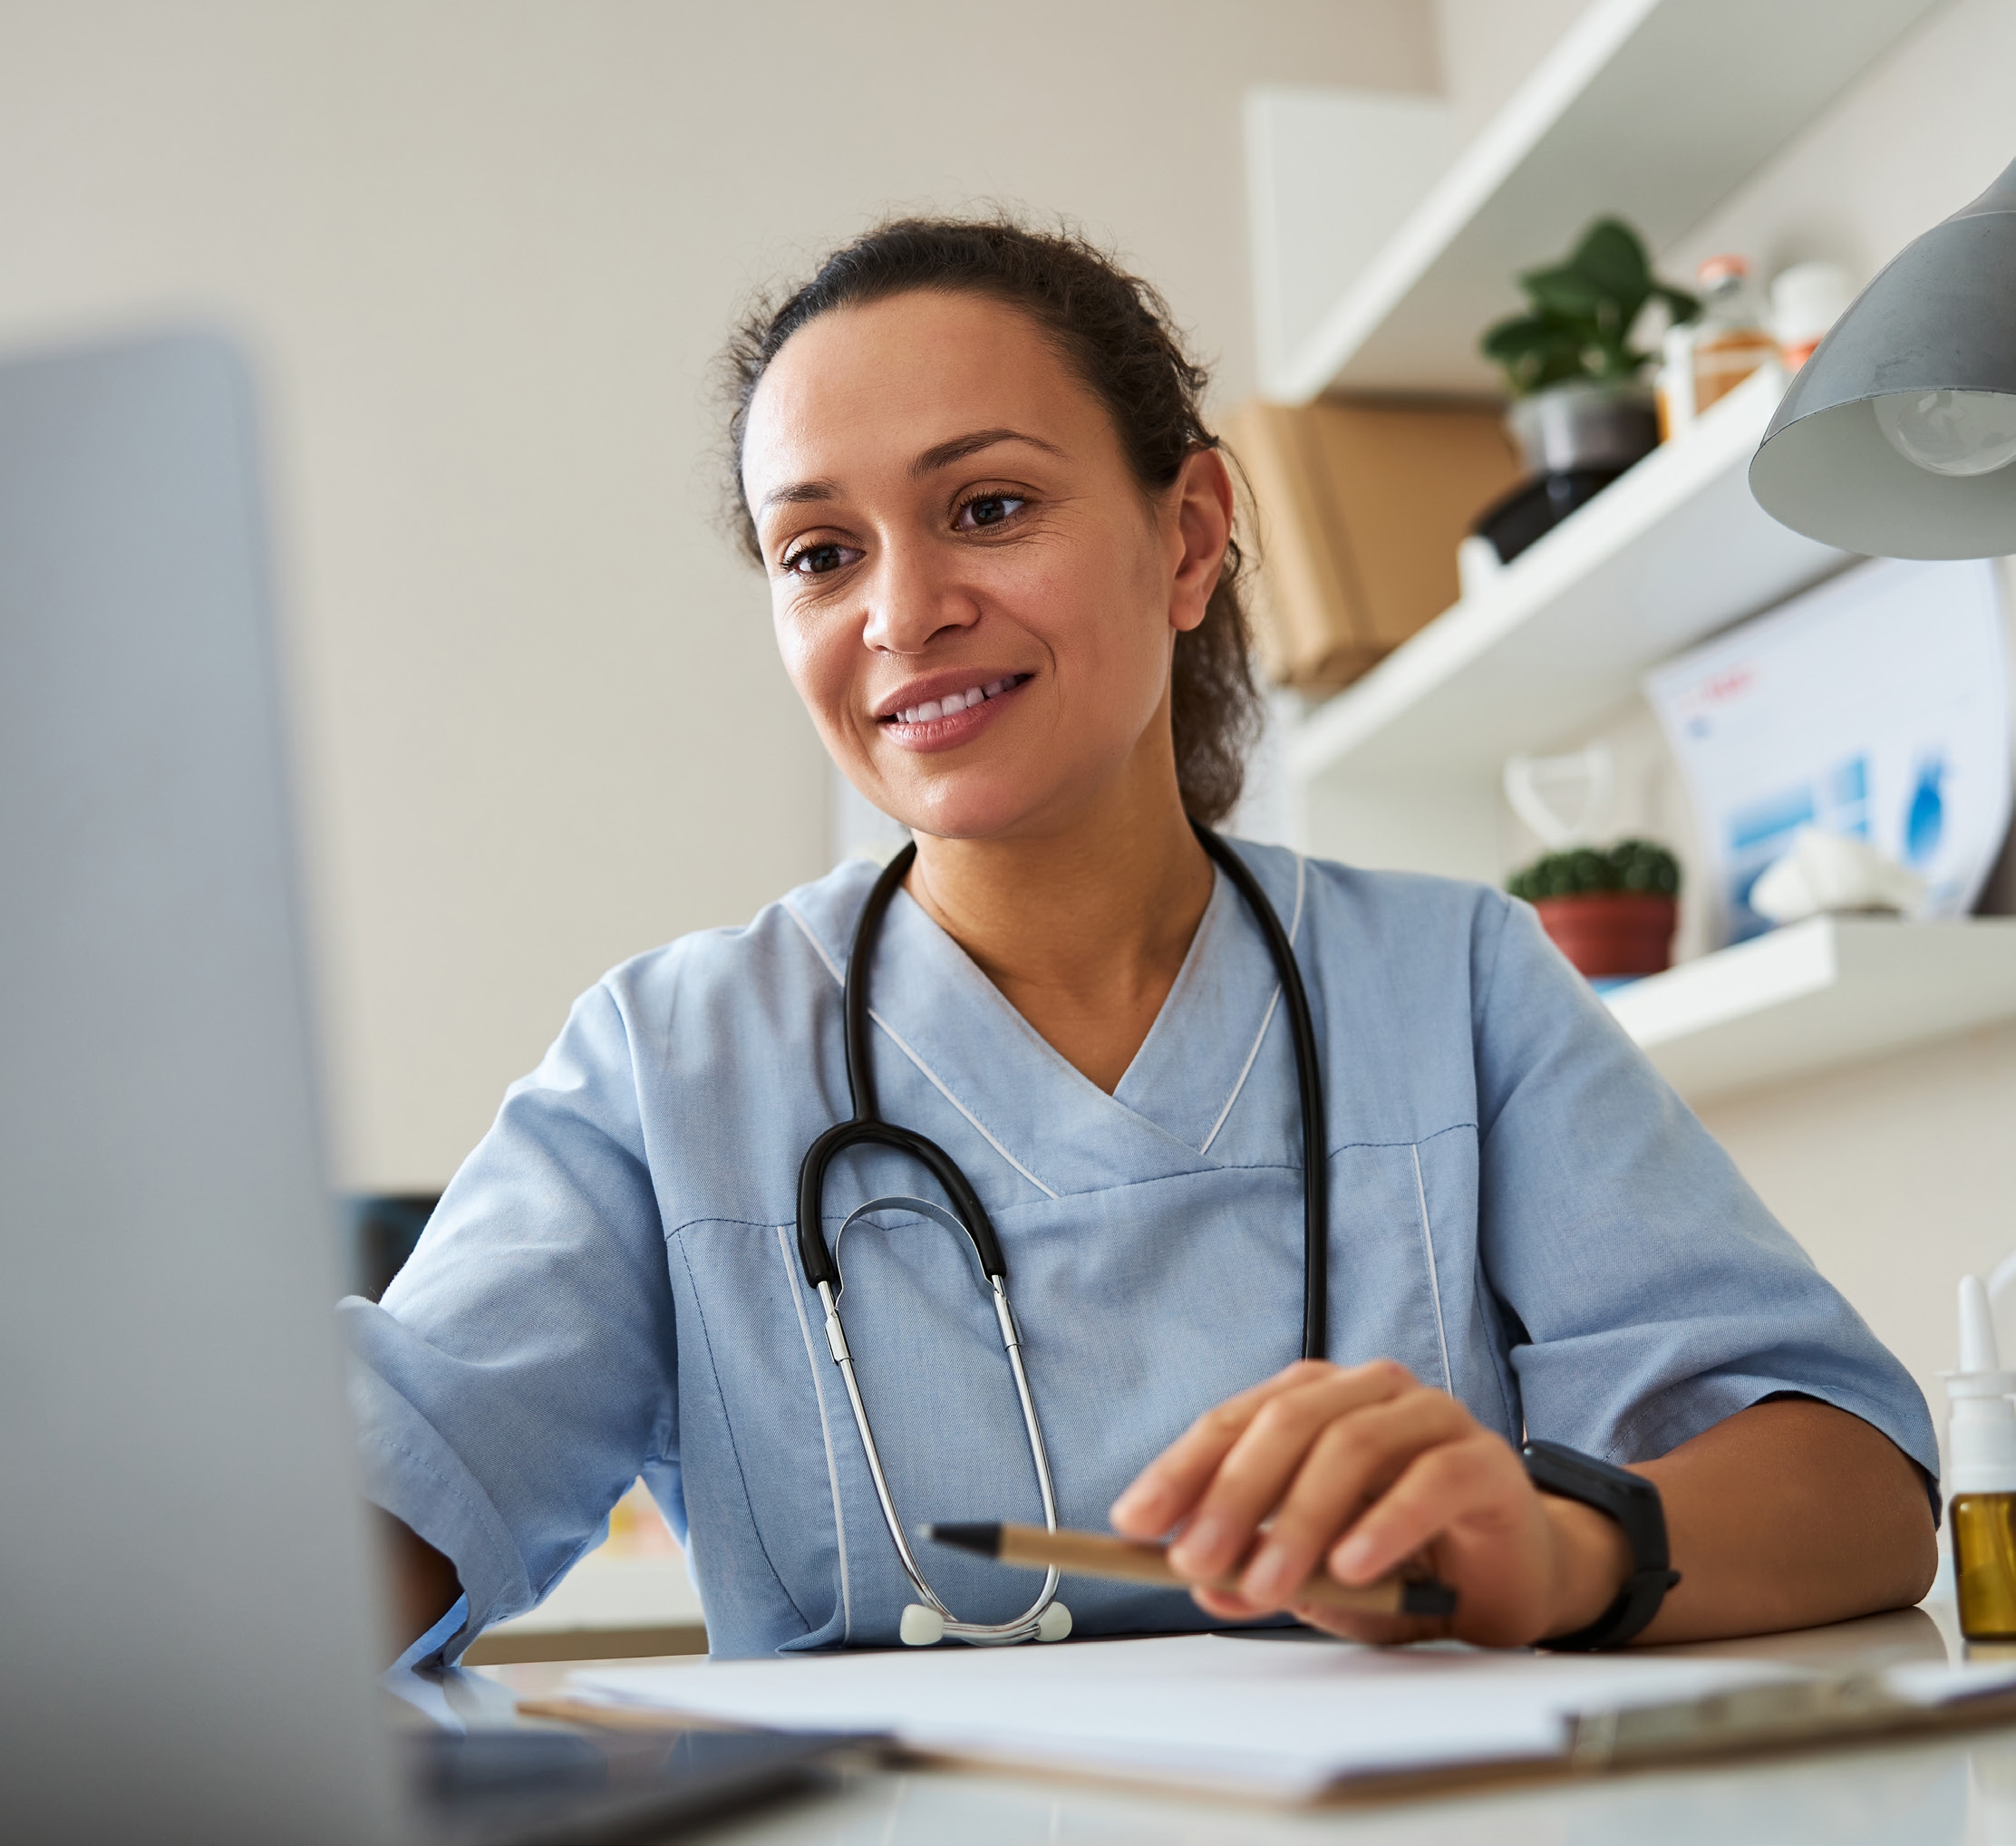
(1981, 1442)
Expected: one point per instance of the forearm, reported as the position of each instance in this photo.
(420, 1584)
(1787, 1515)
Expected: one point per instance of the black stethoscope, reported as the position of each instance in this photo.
(1046, 1618)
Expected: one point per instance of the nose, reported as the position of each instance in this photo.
(912, 600)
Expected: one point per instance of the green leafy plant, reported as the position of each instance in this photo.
(1582, 314)
(1629, 865)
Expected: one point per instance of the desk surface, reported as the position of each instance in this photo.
(1956, 1791)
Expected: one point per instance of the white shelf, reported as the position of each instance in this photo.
(1655, 110)
(1666, 555)
(1829, 992)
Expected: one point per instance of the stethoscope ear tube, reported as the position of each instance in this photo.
(867, 1129)
(868, 930)
(817, 1260)
(1315, 1155)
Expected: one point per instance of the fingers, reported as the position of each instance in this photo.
(1374, 1631)
(1169, 1486)
(1254, 1470)
(1454, 1483)
(1353, 1625)
(1352, 1461)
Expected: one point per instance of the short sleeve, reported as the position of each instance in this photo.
(519, 1372)
(1651, 1293)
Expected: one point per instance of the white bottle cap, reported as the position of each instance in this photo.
(1981, 1435)
(1807, 300)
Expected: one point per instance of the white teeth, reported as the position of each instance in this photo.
(951, 702)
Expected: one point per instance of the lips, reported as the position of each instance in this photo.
(950, 704)
(948, 718)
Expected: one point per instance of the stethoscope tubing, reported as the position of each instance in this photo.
(1315, 1155)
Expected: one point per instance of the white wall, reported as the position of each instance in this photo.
(485, 251)
(1899, 1177)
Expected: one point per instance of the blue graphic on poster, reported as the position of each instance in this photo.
(1875, 706)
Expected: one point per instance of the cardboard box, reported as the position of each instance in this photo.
(1361, 505)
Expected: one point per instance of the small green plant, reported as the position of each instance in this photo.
(1629, 865)
(1583, 310)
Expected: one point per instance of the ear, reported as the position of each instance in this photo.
(1203, 505)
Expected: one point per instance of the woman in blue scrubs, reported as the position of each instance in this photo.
(998, 537)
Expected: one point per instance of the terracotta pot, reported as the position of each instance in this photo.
(1612, 933)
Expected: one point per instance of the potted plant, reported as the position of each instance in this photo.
(1611, 913)
(1581, 414)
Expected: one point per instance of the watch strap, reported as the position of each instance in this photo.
(1634, 1504)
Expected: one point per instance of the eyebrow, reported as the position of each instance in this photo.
(945, 453)
(798, 492)
(941, 455)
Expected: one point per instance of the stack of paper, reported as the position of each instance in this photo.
(1285, 1719)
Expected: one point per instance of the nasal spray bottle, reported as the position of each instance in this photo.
(1982, 1453)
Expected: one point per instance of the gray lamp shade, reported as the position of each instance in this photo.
(1940, 319)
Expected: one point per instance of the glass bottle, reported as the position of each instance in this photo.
(1731, 339)
(1982, 1447)
(1984, 1564)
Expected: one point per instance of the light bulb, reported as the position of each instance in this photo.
(1952, 432)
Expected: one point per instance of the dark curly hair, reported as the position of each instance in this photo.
(1116, 332)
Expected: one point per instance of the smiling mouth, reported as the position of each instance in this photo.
(953, 704)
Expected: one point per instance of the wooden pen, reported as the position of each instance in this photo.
(1092, 1554)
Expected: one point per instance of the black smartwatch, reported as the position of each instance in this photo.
(1634, 1502)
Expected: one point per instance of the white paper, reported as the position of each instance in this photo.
(1285, 1718)
(1875, 706)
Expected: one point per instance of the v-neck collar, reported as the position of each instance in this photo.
(1188, 1073)
(940, 1012)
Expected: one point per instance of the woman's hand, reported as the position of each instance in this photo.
(1361, 1470)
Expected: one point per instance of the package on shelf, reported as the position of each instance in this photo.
(1362, 504)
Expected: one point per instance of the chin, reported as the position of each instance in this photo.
(975, 809)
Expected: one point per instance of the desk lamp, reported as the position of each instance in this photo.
(1897, 438)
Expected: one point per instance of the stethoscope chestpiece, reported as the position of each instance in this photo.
(923, 1627)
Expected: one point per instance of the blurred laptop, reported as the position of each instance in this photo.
(190, 1629)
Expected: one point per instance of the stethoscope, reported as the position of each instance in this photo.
(1046, 1618)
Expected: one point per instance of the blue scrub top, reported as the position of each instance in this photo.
(1521, 1212)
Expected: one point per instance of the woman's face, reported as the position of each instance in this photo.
(972, 595)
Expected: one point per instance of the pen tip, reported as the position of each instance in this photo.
(1428, 1598)
(967, 1536)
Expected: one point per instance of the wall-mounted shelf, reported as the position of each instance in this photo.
(1668, 555)
(1829, 992)
(1653, 109)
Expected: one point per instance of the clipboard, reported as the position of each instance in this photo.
(1447, 1717)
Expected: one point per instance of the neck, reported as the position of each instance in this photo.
(1083, 929)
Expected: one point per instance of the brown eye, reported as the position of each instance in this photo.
(989, 509)
(819, 560)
